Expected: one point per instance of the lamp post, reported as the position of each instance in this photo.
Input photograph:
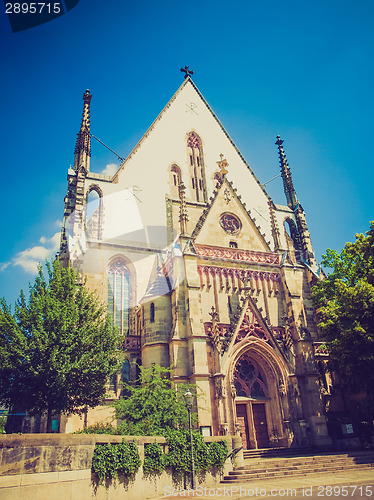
(188, 401)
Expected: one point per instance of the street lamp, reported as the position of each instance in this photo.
(188, 397)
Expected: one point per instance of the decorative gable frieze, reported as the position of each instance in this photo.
(241, 255)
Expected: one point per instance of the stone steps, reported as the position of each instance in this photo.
(299, 460)
(276, 452)
(299, 466)
(261, 469)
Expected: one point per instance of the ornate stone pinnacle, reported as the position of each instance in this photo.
(289, 189)
(82, 150)
(223, 164)
(183, 215)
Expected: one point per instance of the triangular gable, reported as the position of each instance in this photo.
(226, 220)
(147, 168)
(251, 324)
(162, 113)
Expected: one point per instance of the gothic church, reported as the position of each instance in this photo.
(202, 271)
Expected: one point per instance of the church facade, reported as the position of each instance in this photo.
(203, 272)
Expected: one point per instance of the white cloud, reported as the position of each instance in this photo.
(110, 169)
(29, 259)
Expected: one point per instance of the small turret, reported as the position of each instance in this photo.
(82, 151)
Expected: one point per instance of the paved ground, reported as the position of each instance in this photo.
(350, 484)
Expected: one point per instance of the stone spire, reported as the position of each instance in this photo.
(289, 189)
(82, 151)
(301, 236)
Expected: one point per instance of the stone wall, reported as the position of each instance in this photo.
(58, 467)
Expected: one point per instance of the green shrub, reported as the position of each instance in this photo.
(206, 456)
(3, 419)
(154, 462)
(99, 428)
(111, 459)
(217, 454)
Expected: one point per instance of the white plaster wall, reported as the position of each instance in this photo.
(147, 167)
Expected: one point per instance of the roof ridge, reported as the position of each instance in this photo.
(229, 138)
(151, 127)
(158, 118)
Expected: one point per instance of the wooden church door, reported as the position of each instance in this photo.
(260, 425)
(241, 415)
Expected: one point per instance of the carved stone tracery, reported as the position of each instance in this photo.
(250, 326)
(248, 380)
(131, 343)
(230, 223)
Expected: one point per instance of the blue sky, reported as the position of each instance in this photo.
(300, 69)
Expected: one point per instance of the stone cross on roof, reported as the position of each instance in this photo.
(187, 72)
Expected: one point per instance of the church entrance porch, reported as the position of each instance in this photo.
(259, 408)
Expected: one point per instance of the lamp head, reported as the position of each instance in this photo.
(188, 397)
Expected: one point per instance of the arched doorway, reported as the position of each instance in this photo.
(252, 402)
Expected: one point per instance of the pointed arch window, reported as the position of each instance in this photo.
(294, 235)
(175, 180)
(197, 170)
(248, 380)
(119, 295)
(93, 213)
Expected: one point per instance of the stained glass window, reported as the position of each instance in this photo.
(118, 295)
(197, 170)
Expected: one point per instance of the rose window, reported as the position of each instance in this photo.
(230, 223)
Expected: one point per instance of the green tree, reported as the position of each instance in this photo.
(58, 348)
(345, 301)
(154, 406)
